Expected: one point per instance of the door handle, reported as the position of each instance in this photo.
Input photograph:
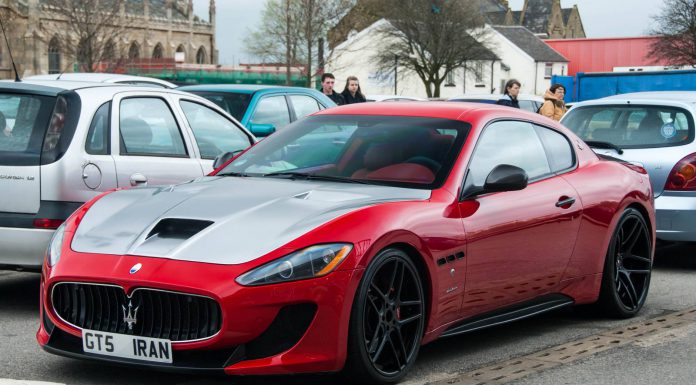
(138, 179)
(565, 202)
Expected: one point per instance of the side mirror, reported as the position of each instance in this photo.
(224, 157)
(505, 177)
(259, 129)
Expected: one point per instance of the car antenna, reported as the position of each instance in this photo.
(17, 79)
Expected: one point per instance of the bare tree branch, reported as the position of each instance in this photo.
(90, 30)
(677, 30)
(432, 38)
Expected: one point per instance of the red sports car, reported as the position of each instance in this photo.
(349, 239)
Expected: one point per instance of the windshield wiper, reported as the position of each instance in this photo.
(232, 173)
(599, 144)
(305, 176)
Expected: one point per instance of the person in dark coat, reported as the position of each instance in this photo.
(327, 85)
(352, 93)
(512, 90)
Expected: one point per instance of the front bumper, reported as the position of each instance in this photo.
(296, 327)
(675, 214)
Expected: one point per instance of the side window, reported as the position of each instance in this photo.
(272, 110)
(214, 133)
(508, 142)
(304, 105)
(558, 149)
(98, 135)
(147, 127)
(528, 105)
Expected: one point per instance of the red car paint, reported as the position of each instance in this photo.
(518, 245)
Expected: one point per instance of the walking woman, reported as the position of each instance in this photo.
(512, 90)
(352, 93)
(554, 107)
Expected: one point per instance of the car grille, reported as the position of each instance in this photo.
(160, 314)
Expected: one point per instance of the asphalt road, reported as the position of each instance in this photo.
(665, 360)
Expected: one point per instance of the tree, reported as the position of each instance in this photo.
(432, 38)
(677, 30)
(290, 30)
(277, 40)
(89, 30)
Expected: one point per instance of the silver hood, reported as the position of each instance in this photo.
(235, 220)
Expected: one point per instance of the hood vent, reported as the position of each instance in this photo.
(167, 235)
(175, 228)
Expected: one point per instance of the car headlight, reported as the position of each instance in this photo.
(55, 246)
(312, 262)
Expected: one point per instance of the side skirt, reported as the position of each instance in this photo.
(513, 313)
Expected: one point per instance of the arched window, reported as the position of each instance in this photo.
(201, 57)
(134, 51)
(109, 52)
(54, 56)
(158, 52)
(180, 51)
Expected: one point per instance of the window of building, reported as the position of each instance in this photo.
(109, 50)
(478, 72)
(201, 57)
(548, 71)
(449, 81)
(158, 52)
(54, 56)
(134, 51)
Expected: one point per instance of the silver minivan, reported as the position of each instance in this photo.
(654, 130)
(62, 143)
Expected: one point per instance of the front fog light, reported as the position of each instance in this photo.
(55, 246)
(314, 261)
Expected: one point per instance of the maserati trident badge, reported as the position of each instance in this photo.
(135, 268)
(130, 316)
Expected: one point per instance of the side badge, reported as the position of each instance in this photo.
(136, 268)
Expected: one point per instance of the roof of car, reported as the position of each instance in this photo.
(242, 88)
(48, 87)
(100, 77)
(682, 96)
(444, 110)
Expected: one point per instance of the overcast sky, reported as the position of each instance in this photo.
(601, 18)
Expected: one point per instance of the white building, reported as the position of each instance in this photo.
(515, 53)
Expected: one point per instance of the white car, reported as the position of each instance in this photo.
(62, 143)
(527, 102)
(99, 77)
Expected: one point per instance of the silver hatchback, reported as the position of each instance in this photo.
(656, 131)
(62, 143)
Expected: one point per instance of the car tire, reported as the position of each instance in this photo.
(387, 320)
(627, 267)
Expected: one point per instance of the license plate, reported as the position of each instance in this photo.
(125, 346)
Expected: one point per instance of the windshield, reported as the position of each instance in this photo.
(233, 103)
(391, 150)
(24, 120)
(632, 126)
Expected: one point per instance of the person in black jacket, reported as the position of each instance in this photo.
(352, 93)
(327, 85)
(512, 89)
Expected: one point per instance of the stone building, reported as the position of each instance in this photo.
(545, 18)
(156, 29)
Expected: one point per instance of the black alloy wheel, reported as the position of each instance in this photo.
(387, 320)
(628, 266)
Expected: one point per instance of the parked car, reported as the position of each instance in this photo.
(527, 102)
(63, 143)
(656, 131)
(431, 220)
(263, 109)
(393, 98)
(100, 77)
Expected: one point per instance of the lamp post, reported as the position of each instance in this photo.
(396, 73)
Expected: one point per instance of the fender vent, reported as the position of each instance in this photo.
(175, 228)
